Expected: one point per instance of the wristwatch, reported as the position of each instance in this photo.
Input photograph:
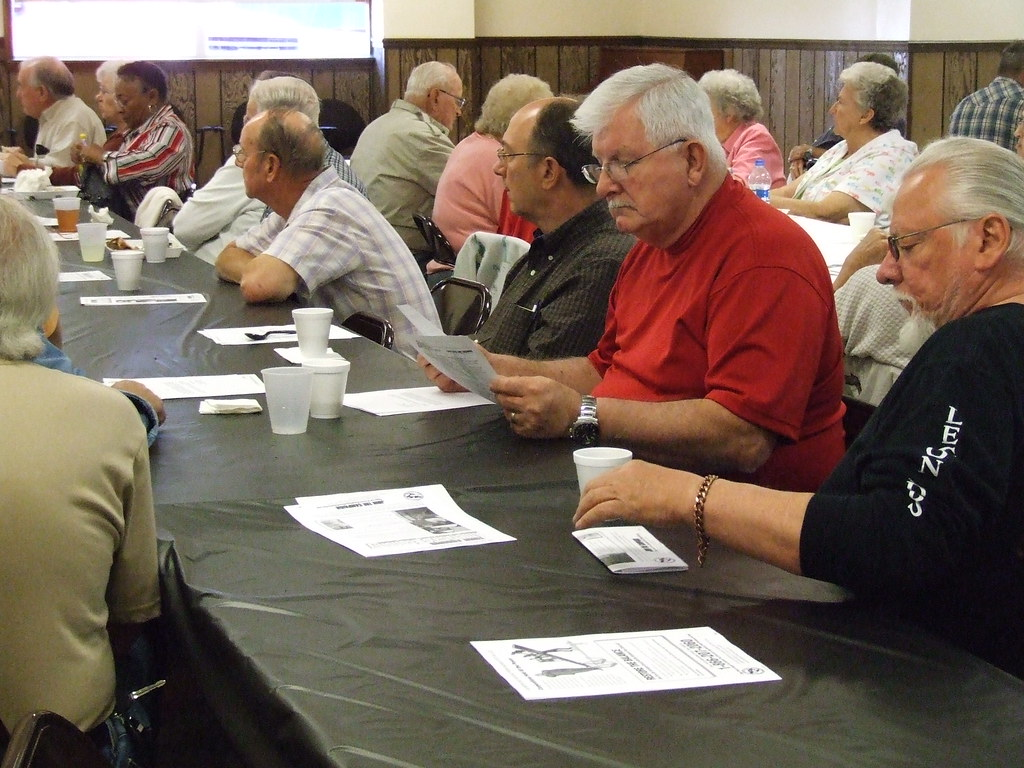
(585, 430)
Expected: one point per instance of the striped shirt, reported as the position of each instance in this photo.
(156, 154)
(346, 255)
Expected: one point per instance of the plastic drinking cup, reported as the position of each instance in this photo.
(860, 223)
(66, 210)
(313, 326)
(92, 240)
(155, 241)
(330, 375)
(127, 269)
(288, 394)
(591, 462)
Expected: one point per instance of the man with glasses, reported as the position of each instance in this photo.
(721, 350)
(924, 511)
(46, 90)
(324, 241)
(555, 297)
(401, 154)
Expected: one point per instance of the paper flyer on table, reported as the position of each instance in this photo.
(180, 387)
(395, 521)
(85, 276)
(629, 549)
(394, 402)
(625, 662)
(161, 298)
(274, 334)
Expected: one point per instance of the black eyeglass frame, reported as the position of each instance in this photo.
(894, 240)
(592, 171)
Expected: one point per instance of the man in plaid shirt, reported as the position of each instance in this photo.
(994, 112)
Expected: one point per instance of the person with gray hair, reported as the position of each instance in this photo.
(923, 514)
(994, 112)
(402, 153)
(736, 107)
(324, 241)
(863, 171)
(469, 193)
(721, 349)
(46, 90)
(220, 211)
(78, 543)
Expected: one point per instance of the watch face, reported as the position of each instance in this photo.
(585, 433)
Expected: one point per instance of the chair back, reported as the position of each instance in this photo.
(373, 328)
(463, 305)
(855, 417)
(47, 740)
(443, 250)
(341, 125)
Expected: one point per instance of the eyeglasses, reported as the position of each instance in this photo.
(503, 156)
(458, 99)
(241, 156)
(618, 170)
(894, 240)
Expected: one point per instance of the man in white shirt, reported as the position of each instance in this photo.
(46, 90)
(401, 154)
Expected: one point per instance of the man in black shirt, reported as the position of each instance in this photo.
(926, 510)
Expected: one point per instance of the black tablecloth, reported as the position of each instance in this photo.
(313, 655)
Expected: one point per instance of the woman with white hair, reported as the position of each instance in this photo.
(736, 107)
(862, 172)
(468, 196)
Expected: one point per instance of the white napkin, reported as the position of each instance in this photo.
(101, 216)
(242, 405)
(32, 180)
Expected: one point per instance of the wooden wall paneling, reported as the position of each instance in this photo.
(5, 107)
(209, 110)
(818, 103)
(516, 60)
(355, 88)
(547, 66)
(577, 69)
(927, 119)
(777, 87)
(960, 77)
(796, 91)
(467, 63)
(489, 67)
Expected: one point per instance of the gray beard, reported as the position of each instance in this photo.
(915, 332)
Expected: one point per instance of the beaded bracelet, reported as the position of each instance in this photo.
(698, 519)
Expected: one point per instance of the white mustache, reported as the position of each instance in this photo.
(613, 204)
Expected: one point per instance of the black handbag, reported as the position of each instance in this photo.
(101, 194)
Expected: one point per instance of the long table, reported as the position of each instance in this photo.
(314, 656)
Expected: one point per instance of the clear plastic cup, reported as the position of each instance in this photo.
(288, 395)
(66, 209)
(92, 240)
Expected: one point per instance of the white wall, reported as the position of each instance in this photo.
(910, 20)
(938, 20)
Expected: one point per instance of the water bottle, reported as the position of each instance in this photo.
(759, 180)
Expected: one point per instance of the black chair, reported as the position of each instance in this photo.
(47, 740)
(463, 305)
(341, 125)
(856, 416)
(373, 328)
(201, 148)
(436, 240)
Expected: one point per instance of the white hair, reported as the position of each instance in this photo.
(28, 281)
(733, 94)
(981, 178)
(669, 104)
(431, 74)
(106, 73)
(286, 93)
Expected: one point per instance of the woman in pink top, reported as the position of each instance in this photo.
(736, 106)
(468, 195)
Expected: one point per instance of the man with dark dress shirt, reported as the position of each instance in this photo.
(554, 299)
